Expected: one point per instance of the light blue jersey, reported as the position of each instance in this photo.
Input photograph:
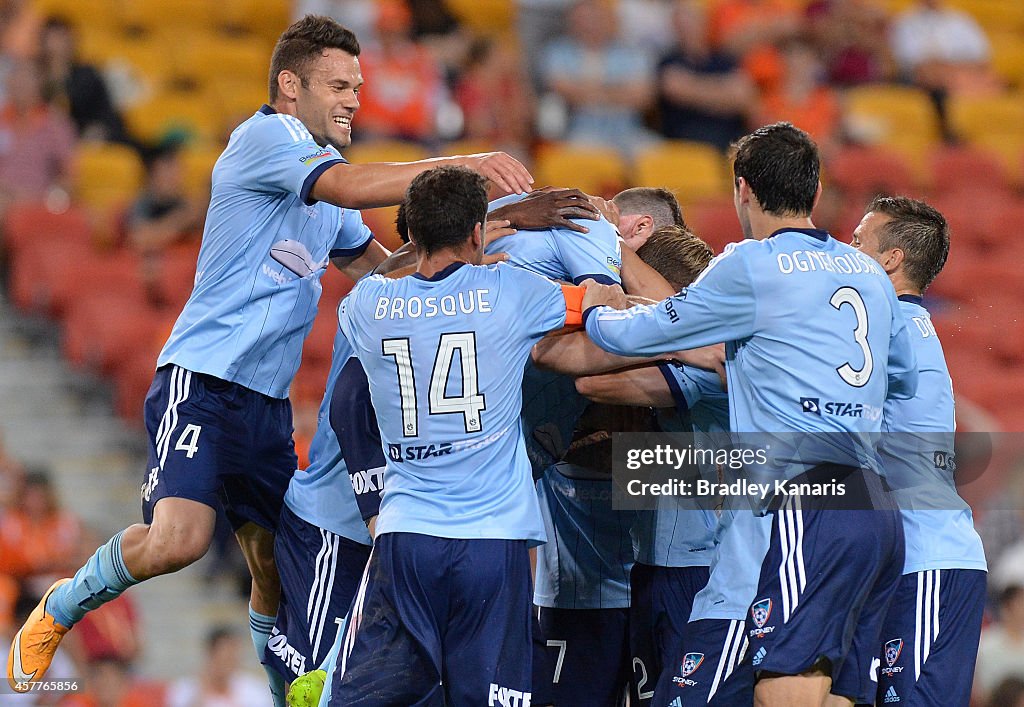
(322, 493)
(585, 563)
(265, 246)
(563, 254)
(917, 456)
(444, 357)
(741, 541)
(815, 343)
(680, 533)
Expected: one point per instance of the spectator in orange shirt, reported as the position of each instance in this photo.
(496, 104)
(750, 29)
(110, 683)
(407, 89)
(38, 540)
(802, 98)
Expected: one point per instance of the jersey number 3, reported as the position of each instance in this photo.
(857, 377)
(470, 403)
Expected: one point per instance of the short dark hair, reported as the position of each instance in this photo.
(660, 204)
(676, 253)
(780, 162)
(442, 205)
(917, 229)
(303, 42)
(401, 225)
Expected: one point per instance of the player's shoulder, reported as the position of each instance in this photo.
(268, 127)
(514, 275)
(370, 286)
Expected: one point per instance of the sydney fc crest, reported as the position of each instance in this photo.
(761, 611)
(893, 649)
(691, 661)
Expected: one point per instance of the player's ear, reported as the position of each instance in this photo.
(478, 236)
(288, 83)
(645, 226)
(817, 196)
(893, 260)
(743, 191)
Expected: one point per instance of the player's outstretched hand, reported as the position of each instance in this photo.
(597, 295)
(503, 169)
(550, 208)
(607, 208)
(492, 258)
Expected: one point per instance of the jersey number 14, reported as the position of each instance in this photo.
(470, 403)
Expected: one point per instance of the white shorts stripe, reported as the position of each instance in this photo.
(161, 430)
(734, 652)
(926, 634)
(935, 607)
(917, 625)
(801, 572)
(355, 616)
(724, 658)
(783, 575)
(180, 396)
(318, 578)
(326, 602)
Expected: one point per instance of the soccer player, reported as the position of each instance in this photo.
(929, 641)
(812, 330)
(218, 414)
(444, 608)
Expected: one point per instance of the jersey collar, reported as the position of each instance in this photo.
(267, 110)
(812, 232)
(440, 274)
(913, 299)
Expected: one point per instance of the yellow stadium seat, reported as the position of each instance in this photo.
(147, 58)
(973, 118)
(167, 17)
(172, 112)
(595, 170)
(384, 151)
(264, 18)
(693, 170)
(993, 15)
(1008, 56)
(1008, 149)
(488, 17)
(203, 58)
(198, 163)
(235, 101)
(887, 114)
(106, 174)
(96, 14)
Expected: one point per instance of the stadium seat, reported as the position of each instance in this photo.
(146, 59)
(106, 175)
(169, 113)
(382, 223)
(174, 274)
(595, 170)
(86, 16)
(994, 15)
(973, 117)
(890, 115)
(198, 162)
(694, 171)
(864, 172)
(167, 17)
(238, 60)
(235, 100)
(715, 222)
(1008, 149)
(103, 329)
(33, 225)
(384, 151)
(967, 168)
(132, 379)
(320, 342)
(487, 17)
(265, 18)
(1008, 56)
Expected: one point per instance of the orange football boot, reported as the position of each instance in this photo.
(34, 645)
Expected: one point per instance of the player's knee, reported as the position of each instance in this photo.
(177, 547)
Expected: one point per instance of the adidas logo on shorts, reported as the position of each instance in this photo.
(759, 656)
(677, 702)
(891, 696)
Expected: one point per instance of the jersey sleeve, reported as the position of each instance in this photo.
(595, 255)
(353, 235)
(540, 304)
(355, 425)
(279, 154)
(690, 385)
(902, 364)
(719, 306)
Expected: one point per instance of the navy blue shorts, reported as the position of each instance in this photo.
(709, 670)
(661, 601)
(320, 574)
(826, 562)
(588, 654)
(438, 621)
(930, 638)
(217, 442)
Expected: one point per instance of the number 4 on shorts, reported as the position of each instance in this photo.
(188, 442)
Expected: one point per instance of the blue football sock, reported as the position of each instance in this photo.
(260, 626)
(103, 578)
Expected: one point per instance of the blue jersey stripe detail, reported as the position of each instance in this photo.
(310, 180)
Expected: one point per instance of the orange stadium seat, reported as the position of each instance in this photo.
(863, 172)
(103, 329)
(715, 222)
(892, 115)
(35, 226)
(75, 278)
(693, 170)
(175, 274)
(595, 170)
(967, 168)
(106, 175)
(974, 117)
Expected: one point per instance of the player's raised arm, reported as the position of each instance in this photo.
(902, 366)
(641, 386)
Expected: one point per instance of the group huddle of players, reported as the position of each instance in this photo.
(453, 540)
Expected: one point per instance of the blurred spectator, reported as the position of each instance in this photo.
(497, 106)
(20, 24)
(110, 683)
(437, 28)
(163, 214)
(405, 88)
(221, 683)
(750, 29)
(1001, 652)
(647, 24)
(851, 37)
(1009, 693)
(37, 142)
(38, 540)
(539, 23)
(606, 85)
(702, 94)
(802, 97)
(356, 15)
(11, 478)
(77, 86)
